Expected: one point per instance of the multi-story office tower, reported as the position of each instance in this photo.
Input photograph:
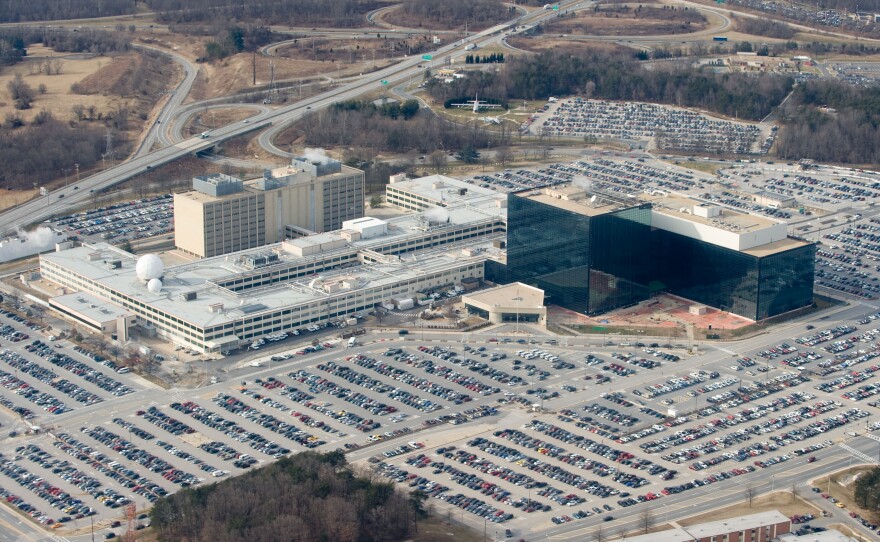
(595, 251)
(222, 214)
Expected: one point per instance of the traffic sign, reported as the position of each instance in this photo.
(384, 82)
(556, 7)
(427, 57)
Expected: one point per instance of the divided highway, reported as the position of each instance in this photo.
(64, 200)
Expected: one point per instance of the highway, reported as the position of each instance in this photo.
(64, 200)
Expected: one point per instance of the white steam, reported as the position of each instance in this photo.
(316, 155)
(29, 243)
(436, 214)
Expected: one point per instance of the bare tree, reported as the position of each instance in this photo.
(793, 491)
(750, 494)
(437, 159)
(503, 156)
(20, 92)
(599, 535)
(646, 520)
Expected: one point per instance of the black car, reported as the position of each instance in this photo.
(608, 518)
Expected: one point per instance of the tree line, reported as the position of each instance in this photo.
(867, 490)
(617, 76)
(237, 39)
(494, 58)
(450, 13)
(369, 129)
(341, 13)
(37, 153)
(764, 27)
(301, 498)
(392, 109)
(14, 41)
(831, 121)
(16, 11)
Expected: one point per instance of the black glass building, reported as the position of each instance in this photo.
(585, 257)
(595, 254)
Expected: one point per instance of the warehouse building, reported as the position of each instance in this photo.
(593, 251)
(223, 214)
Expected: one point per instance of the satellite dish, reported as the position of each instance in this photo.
(593, 200)
(154, 286)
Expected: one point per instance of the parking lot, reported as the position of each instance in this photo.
(121, 222)
(560, 434)
(668, 128)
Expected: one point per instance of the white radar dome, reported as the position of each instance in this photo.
(154, 286)
(148, 267)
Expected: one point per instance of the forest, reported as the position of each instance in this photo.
(37, 153)
(86, 41)
(455, 12)
(307, 497)
(16, 11)
(831, 121)
(610, 76)
(341, 13)
(764, 27)
(373, 129)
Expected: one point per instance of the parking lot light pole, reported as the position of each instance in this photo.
(517, 299)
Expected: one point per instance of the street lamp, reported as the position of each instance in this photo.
(517, 299)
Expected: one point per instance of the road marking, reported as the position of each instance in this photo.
(858, 454)
(731, 352)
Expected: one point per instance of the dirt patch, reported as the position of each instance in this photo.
(11, 198)
(781, 501)
(627, 20)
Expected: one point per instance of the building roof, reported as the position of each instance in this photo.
(578, 200)
(91, 307)
(682, 207)
(198, 276)
(510, 295)
(739, 523)
(776, 247)
(714, 528)
(445, 189)
(830, 535)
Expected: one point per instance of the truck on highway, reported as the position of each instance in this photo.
(205, 135)
(470, 47)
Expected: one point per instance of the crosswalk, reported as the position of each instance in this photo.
(860, 455)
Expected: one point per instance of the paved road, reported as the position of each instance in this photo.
(63, 200)
(175, 98)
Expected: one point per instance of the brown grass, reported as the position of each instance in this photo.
(215, 118)
(841, 492)
(610, 22)
(58, 99)
(781, 501)
(11, 198)
(541, 43)
(109, 76)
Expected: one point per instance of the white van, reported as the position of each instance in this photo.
(352, 342)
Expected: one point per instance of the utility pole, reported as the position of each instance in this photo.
(255, 68)
(77, 172)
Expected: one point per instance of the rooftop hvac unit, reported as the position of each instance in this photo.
(188, 296)
(115, 264)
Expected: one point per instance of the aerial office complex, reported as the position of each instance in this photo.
(222, 302)
(223, 214)
(588, 251)
(592, 252)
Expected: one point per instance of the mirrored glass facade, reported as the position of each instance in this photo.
(593, 263)
(590, 264)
